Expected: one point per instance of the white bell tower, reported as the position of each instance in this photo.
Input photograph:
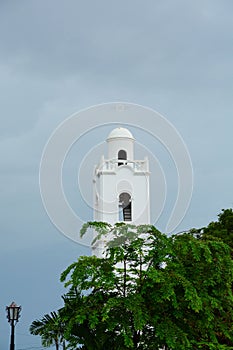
(121, 185)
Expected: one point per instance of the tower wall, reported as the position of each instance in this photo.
(117, 144)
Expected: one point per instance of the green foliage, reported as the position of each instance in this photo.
(152, 291)
(221, 229)
(51, 330)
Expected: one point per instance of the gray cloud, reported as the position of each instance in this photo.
(149, 40)
(57, 57)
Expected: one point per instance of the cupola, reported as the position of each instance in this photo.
(120, 144)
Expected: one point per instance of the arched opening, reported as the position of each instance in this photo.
(122, 155)
(125, 207)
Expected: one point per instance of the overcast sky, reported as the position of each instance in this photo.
(58, 57)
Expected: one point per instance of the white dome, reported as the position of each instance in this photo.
(120, 133)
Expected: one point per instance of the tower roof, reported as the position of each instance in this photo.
(120, 133)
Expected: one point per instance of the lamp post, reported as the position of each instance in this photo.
(13, 312)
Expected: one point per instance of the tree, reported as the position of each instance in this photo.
(150, 292)
(79, 330)
(221, 229)
(51, 330)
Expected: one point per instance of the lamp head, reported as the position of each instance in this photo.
(13, 312)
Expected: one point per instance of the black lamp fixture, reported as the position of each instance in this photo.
(13, 314)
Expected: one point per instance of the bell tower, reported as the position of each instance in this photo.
(121, 184)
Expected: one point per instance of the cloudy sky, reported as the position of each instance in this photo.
(58, 57)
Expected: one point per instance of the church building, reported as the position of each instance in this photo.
(121, 185)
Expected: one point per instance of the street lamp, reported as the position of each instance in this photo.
(13, 312)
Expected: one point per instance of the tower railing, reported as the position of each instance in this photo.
(114, 164)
